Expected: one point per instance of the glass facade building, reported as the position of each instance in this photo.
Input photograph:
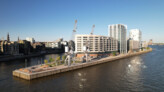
(118, 32)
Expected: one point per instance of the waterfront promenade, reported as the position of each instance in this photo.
(22, 73)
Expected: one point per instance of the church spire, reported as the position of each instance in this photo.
(8, 38)
(18, 38)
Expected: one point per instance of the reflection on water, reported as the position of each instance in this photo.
(144, 73)
(134, 66)
(81, 79)
(134, 72)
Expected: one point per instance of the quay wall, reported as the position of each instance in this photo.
(30, 76)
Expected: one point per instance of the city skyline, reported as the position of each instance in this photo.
(48, 21)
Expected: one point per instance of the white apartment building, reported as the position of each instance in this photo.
(95, 43)
(118, 32)
(53, 44)
(136, 35)
(30, 40)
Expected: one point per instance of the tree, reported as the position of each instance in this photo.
(45, 61)
(51, 59)
(58, 58)
(63, 57)
(114, 53)
(141, 49)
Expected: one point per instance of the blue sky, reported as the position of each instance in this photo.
(48, 20)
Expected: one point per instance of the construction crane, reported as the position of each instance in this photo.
(92, 29)
(75, 26)
(74, 31)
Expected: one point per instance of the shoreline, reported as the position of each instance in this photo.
(8, 58)
(62, 68)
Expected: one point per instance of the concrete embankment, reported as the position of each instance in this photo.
(62, 68)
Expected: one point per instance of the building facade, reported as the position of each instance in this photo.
(8, 47)
(30, 40)
(118, 32)
(136, 35)
(50, 44)
(53, 45)
(144, 44)
(150, 42)
(24, 47)
(132, 45)
(95, 43)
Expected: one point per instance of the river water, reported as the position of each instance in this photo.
(143, 73)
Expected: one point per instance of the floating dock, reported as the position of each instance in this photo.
(61, 68)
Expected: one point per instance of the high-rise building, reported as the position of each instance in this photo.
(118, 32)
(136, 35)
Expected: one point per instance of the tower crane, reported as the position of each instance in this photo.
(75, 26)
(92, 29)
(74, 31)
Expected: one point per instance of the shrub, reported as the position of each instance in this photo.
(148, 48)
(63, 58)
(77, 61)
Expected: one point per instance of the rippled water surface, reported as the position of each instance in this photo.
(143, 73)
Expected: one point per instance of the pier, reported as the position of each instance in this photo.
(46, 71)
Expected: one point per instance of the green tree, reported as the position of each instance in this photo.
(58, 58)
(51, 59)
(45, 61)
(63, 57)
(141, 49)
(114, 53)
